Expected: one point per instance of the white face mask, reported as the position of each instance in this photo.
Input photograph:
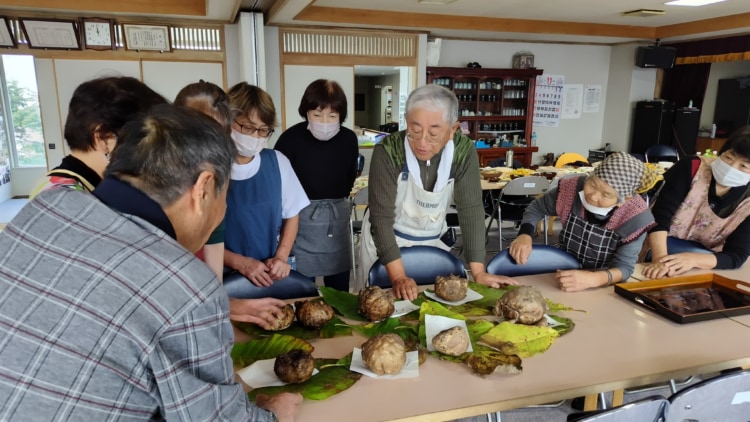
(727, 175)
(592, 208)
(323, 131)
(248, 146)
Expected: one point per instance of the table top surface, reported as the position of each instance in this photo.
(615, 344)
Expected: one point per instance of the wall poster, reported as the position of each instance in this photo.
(548, 100)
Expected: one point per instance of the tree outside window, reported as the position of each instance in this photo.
(27, 142)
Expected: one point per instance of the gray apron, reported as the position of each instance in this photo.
(323, 241)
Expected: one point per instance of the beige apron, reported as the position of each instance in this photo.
(420, 220)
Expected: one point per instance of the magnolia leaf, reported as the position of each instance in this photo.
(490, 295)
(330, 380)
(334, 328)
(345, 303)
(429, 307)
(477, 328)
(485, 361)
(519, 339)
(244, 354)
(407, 331)
(566, 327)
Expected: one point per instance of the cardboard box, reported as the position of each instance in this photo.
(675, 298)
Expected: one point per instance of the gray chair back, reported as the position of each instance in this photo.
(724, 398)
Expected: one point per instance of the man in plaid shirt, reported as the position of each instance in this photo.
(105, 313)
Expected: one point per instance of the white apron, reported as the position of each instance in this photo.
(419, 214)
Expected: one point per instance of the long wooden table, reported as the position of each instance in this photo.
(614, 345)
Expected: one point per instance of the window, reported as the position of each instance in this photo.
(22, 122)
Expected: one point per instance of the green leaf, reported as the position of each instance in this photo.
(407, 331)
(485, 361)
(345, 303)
(566, 327)
(335, 328)
(333, 377)
(519, 339)
(244, 354)
(490, 295)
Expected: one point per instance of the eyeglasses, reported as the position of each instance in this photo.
(250, 129)
(432, 139)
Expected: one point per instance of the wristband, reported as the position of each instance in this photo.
(609, 278)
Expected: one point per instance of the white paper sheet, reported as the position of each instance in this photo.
(410, 369)
(434, 324)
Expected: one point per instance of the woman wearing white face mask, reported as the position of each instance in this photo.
(264, 197)
(324, 156)
(604, 222)
(702, 212)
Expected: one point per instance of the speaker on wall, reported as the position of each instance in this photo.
(655, 56)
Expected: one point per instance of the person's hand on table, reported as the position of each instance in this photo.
(656, 269)
(278, 268)
(520, 249)
(493, 280)
(261, 312)
(255, 271)
(681, 262)
(284, 405)
(404, 288)
(576, 280)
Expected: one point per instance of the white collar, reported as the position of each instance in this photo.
(444, 168)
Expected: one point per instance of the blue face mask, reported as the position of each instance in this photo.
(593, 208)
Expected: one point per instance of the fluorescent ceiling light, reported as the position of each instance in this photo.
(691, 2)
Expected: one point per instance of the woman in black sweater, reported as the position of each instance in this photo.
(324, 157)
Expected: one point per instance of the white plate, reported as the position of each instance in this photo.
(410, 369)
(260, 374)
(471, 296)
(403, 307)
(434, 324)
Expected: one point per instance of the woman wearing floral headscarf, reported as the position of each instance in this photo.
(604, 223)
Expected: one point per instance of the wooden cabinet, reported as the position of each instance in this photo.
(522, 154)
(714, 144)
(492, 102)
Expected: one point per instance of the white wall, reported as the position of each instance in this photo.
(723, 70)
(580, 64)
(628, 84)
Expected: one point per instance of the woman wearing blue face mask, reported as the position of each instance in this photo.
(324, 157)
(702, 212)
(264, 197)
(604, 222)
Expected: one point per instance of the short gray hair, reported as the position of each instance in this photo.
(436, 98)
(163, 152)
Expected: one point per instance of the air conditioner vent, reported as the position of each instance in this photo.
(643, 13)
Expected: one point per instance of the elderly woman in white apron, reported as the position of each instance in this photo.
(604, 222)
(415, 176)
(324, 157)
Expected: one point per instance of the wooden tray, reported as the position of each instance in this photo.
(663, 296)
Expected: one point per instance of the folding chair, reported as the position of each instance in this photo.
(661, 152)
(649, 409)
(355, 224)
(723, 398)
(513, 200)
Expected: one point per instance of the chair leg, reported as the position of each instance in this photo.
(546, 235)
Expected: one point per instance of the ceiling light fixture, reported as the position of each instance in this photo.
(643, 13)
(437, 1)
(692, 2)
